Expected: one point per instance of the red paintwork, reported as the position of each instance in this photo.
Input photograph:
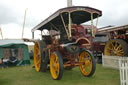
(98, 47)
(78, 31)
(79, 35)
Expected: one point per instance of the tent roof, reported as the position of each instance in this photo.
(10, 41)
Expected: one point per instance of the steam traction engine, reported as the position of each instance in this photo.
(118, 43)
(65, 45)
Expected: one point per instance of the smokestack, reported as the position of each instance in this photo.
(69, 3)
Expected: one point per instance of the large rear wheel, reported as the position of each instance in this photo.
(56, 65)
(116, 47)
(40, 59)
(87, 63)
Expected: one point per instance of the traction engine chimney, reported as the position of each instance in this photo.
(69, 3)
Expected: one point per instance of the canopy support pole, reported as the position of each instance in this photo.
(92, 25)
(64, 25)
(69, 25)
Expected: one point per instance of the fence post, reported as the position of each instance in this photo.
(123, 65)
(127, 72)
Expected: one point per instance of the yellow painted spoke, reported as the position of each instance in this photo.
(56, 60)
(88, 68)
(118, 47)
(84, 67)
(38, 65)
(37, 55)
(38, 62)
(119, 51)
(116, 44)
(112, 44)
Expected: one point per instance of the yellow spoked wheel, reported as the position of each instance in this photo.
(116, 47)
(39, 56)
(87, 63)
(56, 65)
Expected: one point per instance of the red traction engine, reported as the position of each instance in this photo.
(65, 45)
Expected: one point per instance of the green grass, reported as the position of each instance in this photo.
(26, 75)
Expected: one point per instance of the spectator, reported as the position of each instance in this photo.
(5, 62)
(0, 63)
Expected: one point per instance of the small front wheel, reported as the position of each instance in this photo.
(56, 65)
(87, 63)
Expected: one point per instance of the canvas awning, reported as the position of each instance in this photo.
(79, 15)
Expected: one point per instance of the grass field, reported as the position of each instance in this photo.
(26, 75)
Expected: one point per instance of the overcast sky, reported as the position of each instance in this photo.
(115, 13)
